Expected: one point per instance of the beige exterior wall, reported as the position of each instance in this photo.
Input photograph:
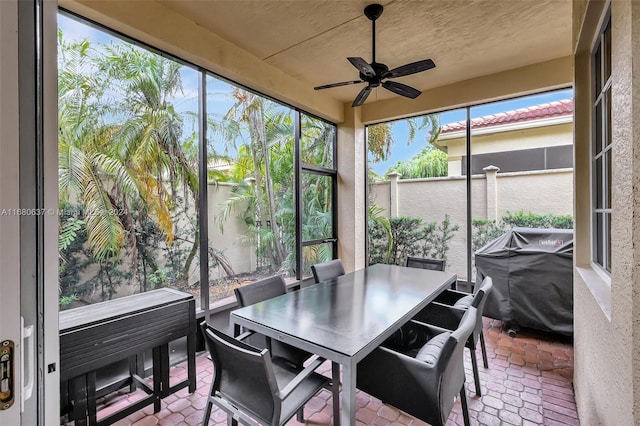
(229, 239)
(507, 140)
(432, 199)
(606, 320)
(543, 192)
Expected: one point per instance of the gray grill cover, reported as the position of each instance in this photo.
(532, 272)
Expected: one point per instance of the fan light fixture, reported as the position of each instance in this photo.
(377, 74)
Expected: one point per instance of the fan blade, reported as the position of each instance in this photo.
(362, 96)
(344, 83)
(409, 69)
(362, 66)
(401, 89)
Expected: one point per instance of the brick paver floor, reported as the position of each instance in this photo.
(528, 382)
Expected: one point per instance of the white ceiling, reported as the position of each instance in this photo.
(311, 39)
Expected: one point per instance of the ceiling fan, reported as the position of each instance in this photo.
(377, 74)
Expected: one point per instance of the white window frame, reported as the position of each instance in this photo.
(601, 148)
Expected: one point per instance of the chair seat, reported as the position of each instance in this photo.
(464, 302)
(430, 352)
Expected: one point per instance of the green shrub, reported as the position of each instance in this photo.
(483, 231)
(408, 236)
(533, 220)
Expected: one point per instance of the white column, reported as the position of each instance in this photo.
(394, 207)
(492, 192)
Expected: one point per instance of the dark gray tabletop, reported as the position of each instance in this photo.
(95, 313)
(349, 314)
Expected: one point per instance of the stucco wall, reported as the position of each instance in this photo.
(547, 192)
(541, 192)
(228, 240)
(606, 341)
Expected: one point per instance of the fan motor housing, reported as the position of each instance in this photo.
(373, 11)
(380, 69)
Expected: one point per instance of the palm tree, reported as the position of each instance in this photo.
(121, 153)
(86, 171)
(260, 128)
(149, 138)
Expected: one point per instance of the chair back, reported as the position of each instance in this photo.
(260, 290)
(479, 300)
(424, 263)
(244, 375)
(452, 378)
(327, 270)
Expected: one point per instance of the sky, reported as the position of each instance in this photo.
(401, 150)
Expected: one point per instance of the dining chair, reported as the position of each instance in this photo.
(327, 270)
(420, 370)
(252, 387)
(426, 263)
(446, 312)
(259, 291)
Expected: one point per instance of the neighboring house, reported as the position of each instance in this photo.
(534, 138)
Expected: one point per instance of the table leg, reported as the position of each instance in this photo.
(164, 368)
(348, 412)
(191, 362)
(157, 378)
(91, 398)
(335, 391)
(78, 390)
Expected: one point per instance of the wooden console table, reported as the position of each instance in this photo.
(94, 336)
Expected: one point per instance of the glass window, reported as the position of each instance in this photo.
(425, 210)
(131, 135)
(250, 148)
(427, 216)
(317, 196)
(602, 149)
(317, 138)
(315, 253)
(128, 169)
(317, 201)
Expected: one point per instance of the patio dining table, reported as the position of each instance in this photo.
(345, 319)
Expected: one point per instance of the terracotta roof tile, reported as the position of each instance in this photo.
(536, 112)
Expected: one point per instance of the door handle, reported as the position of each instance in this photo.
(27, 366)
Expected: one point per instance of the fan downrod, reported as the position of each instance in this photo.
(373, 11)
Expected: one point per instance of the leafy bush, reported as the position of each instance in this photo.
(408, 236)
(67, 300)
(483, 231)
(532, 220)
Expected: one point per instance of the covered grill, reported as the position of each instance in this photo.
(532, 271)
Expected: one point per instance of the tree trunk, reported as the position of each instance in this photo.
(260, 146)
(190, 257)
